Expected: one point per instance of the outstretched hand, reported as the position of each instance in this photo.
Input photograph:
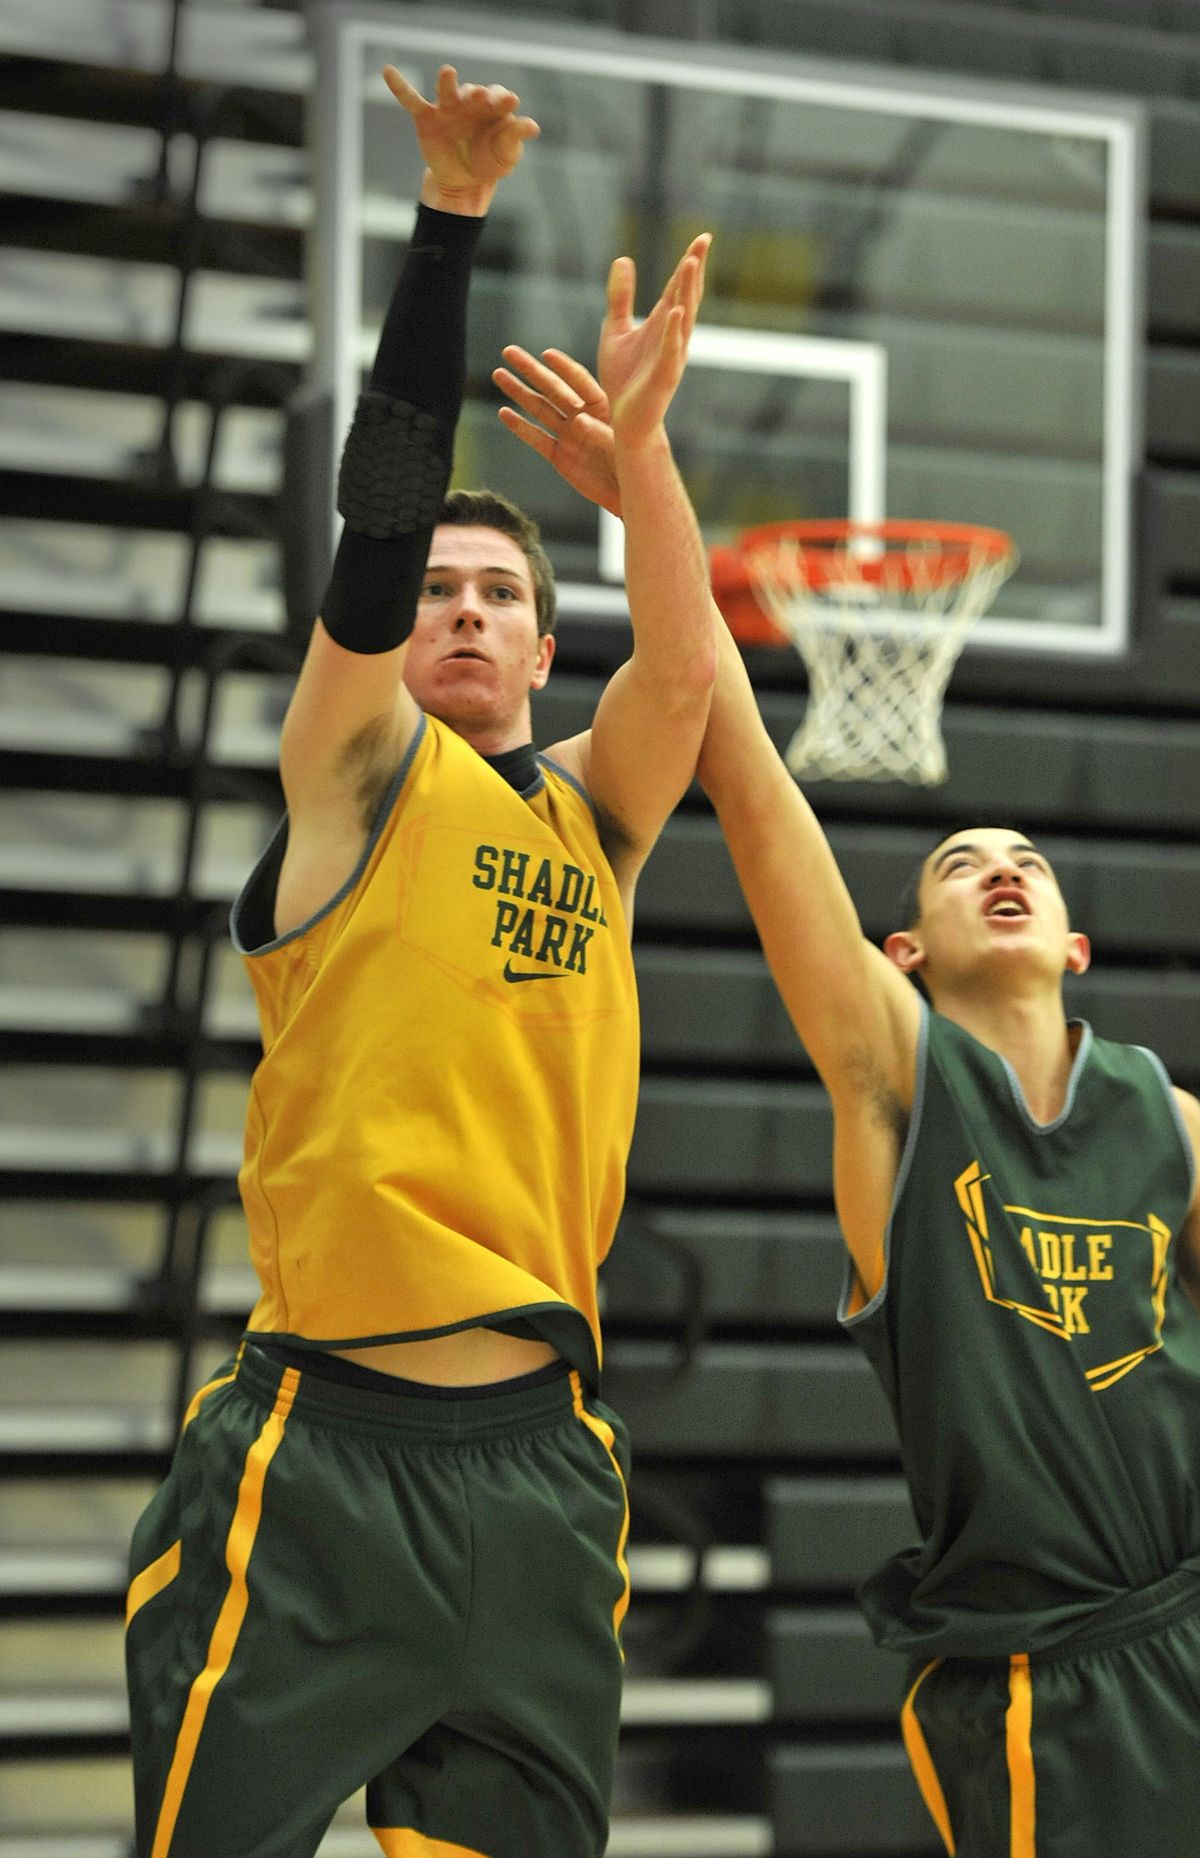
(564, 418)
(470, 137)
(641, 365)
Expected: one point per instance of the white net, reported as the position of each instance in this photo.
(879, 620)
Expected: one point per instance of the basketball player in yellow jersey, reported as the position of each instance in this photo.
(390, 1552)
(1021, 1209)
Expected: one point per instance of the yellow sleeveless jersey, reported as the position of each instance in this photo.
(437, 1133)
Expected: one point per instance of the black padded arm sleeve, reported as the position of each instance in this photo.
(397, 459)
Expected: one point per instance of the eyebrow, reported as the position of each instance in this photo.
(965, 845)
(450, 567)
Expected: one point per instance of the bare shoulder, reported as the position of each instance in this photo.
(1188, 1245)
(571, 756)
(873, 1069)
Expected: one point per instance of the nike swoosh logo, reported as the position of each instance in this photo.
(531, 974)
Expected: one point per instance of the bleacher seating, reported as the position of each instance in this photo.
(759, 1719)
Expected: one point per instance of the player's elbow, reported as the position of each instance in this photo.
(691, 677)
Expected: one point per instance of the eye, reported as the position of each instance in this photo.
(501, 592)
(434, 590)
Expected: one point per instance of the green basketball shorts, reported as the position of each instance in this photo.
(1091, 1750)
(337, 1588)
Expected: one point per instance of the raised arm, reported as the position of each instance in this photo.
(1188, 1243)
(640, 753)
(351, 718)
(857, 1015)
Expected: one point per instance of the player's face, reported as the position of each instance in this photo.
(990, 904)
(475, 653)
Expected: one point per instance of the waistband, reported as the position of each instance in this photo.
(407, 1417)
(1134, 1616)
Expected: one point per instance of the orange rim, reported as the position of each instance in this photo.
(953, 551)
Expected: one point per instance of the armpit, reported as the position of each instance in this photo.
(367, 765)
(865, 1077)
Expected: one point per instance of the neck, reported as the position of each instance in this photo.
(494, 736)
(1032, 1034)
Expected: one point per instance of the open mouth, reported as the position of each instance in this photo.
(1011, 907)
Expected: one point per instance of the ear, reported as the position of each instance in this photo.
(543, 661)
(904, 951)
(1079, 954)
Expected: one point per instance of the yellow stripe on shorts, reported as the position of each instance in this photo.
(201, 1394)
(239, 1545)
(404, 1842)
(604, 1433)
(152, 1580)
(922, 1763)
(1018, 1735)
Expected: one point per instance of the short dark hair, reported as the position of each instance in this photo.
(486, 509)
(906, 911)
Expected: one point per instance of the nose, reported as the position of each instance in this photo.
(470, 611)
(1005, 872)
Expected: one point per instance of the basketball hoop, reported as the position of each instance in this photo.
(879, 612)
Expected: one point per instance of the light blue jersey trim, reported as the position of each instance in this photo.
(910, 1146)
(1189, 1153)
(247, 893)
(1014, 1084)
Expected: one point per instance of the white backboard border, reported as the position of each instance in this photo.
(344, 29)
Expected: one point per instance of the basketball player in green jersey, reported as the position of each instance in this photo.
(1019, 1202)
(390, 1550)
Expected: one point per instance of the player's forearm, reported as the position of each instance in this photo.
(398, 456)
(666, 573)
(739, 769)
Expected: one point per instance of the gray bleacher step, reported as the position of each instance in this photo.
(122, 1119)
(80, 707)
(1162, 15)
(825, 1668)
(83, 1431)
(88, 432)
(96, 1292)
(1135, 894)
(993, 42)
(223, 44)
(748, 1400)
(66, 1845)
(841, 1799)
(78, 1573)
(72, 1009)
(650, 1836)
(132, 574)
(111, 300)
(89, 842)
(826, 1533)
(109, 164)
(31, 1714)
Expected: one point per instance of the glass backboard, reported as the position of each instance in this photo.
(923, 297)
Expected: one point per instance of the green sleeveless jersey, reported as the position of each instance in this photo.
(1040, 1355)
